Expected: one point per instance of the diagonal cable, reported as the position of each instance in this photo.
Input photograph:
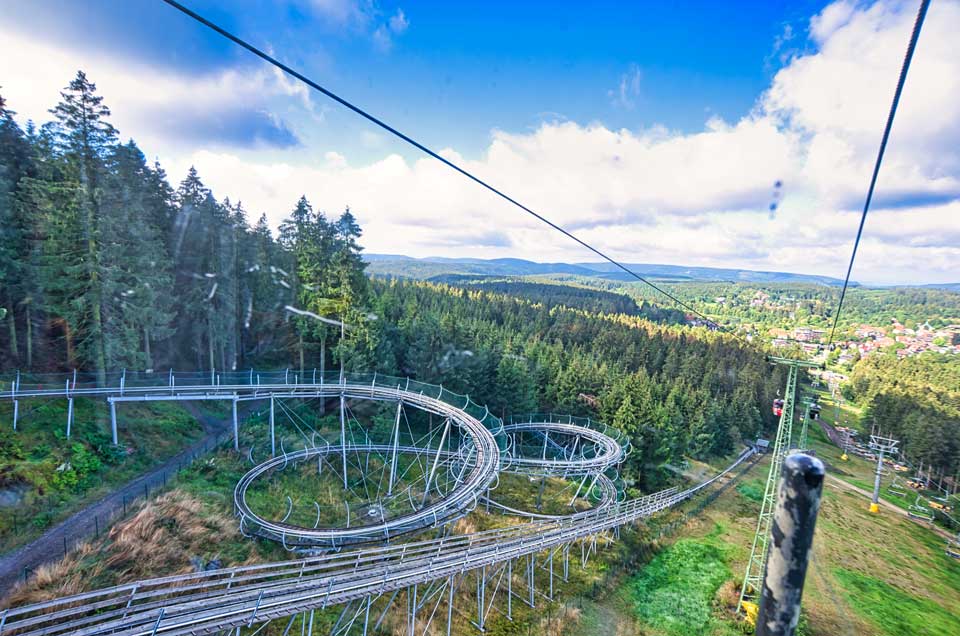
(914, 36)
(416, 144)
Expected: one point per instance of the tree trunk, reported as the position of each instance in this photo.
(147, 359)
(29, 336)
(96, 291)
(68, 339)
(210, 352)
(14, 349)
(300, 346)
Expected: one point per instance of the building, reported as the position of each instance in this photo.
(808, 334)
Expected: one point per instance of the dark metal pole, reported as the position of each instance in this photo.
(798, 501)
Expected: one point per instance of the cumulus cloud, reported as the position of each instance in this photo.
(839, 98)
(645, 195)
(698, 198)
(226, 107)
(832, 18)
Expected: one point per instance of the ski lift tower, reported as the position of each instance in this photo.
(753, 577)
(880, 446)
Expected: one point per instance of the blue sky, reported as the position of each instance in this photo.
(651, 128)
(457, 70)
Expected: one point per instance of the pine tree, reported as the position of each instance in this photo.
(14, 227)
(137, 312)
(84, 137)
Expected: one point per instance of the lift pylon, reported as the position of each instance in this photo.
(753, 577)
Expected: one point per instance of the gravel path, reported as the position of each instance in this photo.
(85, 523)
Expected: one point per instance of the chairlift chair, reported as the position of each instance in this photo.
(895, 488)
(919, 512)
(778, 407)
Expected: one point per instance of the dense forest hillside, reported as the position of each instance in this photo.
(104, 265)
(674, 390)
(915, 400)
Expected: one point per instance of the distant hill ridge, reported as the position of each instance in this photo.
(407, 266)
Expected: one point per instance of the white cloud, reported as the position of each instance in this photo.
(701, 198)
(399, 22)
(161, 107)
(840, 98)
(365, 17)
(382, 39)
(648, 195)
(832, 18)
(384, 34)
(342, 12)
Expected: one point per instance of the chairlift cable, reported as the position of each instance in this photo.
(914, 36)
(343, 102)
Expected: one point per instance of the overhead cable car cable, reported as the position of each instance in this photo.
(289, 71)
(921, 14)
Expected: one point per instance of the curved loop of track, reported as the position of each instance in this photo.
(608, 496)
(452, 505)
(211, 602)
(481, 453)
(608, 454)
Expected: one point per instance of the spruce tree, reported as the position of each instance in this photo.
(84, 138)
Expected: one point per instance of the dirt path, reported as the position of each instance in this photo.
(97, 516)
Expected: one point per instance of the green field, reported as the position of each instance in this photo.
(866, 569)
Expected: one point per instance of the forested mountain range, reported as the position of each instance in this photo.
(750, 301)
(437, 266)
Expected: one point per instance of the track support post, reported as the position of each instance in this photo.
(450, 589)
(343, 435)
(113, 421)
(236, 427)
(396, 443)
(273, 435)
